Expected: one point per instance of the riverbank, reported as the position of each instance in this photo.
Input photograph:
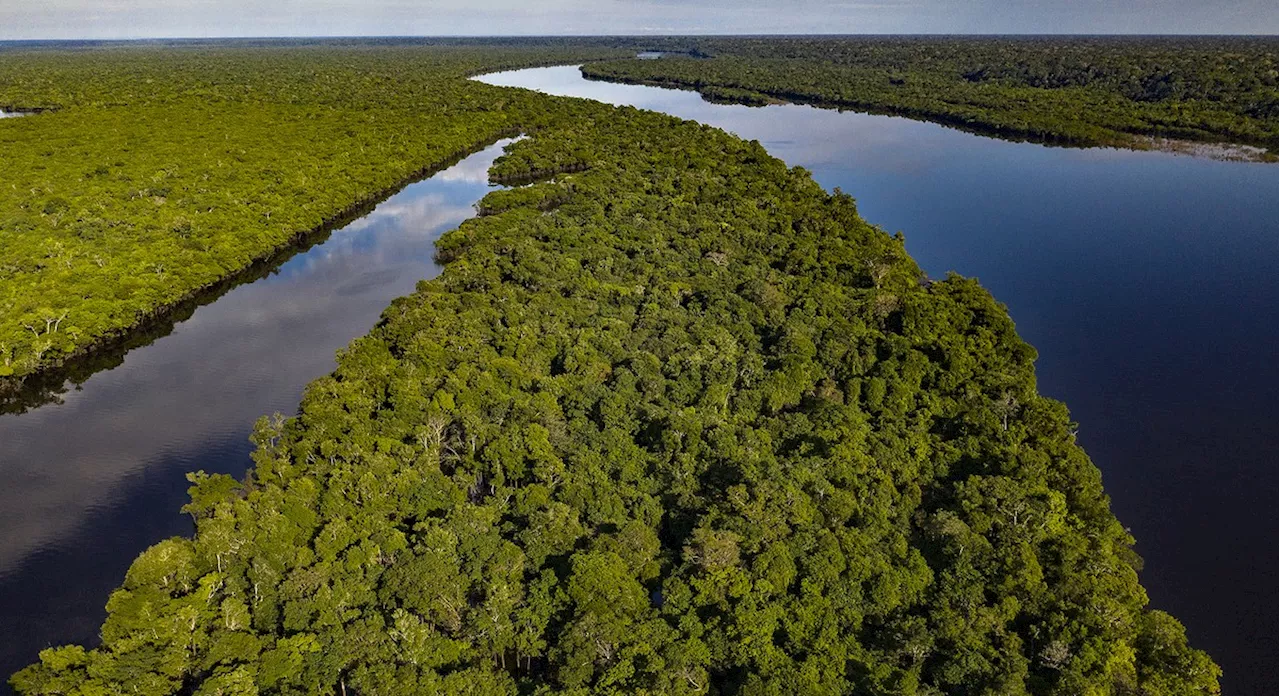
(146, 208)
(19, 393)
(715, 94)
(1221, 151)
(1224, 152)
(1130, 92)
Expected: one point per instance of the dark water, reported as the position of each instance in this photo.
(1147, 281)
(90, 483)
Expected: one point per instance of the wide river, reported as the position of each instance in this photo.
(1146, 280)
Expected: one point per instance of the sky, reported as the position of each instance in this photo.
(123, 19)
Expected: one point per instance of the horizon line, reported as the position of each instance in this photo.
(297, 37)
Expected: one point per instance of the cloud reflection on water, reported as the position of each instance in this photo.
(188, 401)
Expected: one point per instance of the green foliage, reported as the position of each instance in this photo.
(695, 428)
(1074, 90)
(156, 172)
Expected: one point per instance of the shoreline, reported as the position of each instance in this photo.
(1220, 151)
(43, 384)
(19, 393)
(1137, 142)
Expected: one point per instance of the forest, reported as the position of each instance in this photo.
(154, 172)
(1115, 91)
(673, 419)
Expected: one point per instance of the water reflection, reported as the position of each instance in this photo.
(91, 482)
(1146, 280)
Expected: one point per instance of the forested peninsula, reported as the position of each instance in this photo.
(673, 419)
(1135, 92)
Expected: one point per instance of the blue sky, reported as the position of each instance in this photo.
(36, 19)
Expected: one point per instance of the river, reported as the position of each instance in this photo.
(91, 482)
(1146, 280)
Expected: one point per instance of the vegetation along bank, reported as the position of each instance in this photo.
(1137, 92)
(156, 171)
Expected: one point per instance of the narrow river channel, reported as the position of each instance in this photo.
(1146, 280)
(91, 482)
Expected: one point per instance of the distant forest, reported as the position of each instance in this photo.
(1068, 90)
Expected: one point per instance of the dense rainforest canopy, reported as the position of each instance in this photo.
(673, 420)
(1071, 90)
(155, 171)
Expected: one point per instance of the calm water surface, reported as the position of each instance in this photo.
(1147, 281)
(90, 483)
